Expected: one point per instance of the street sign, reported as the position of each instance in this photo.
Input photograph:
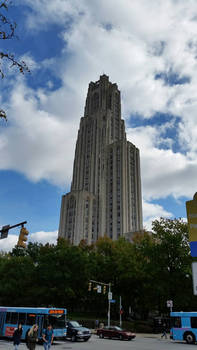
(98, 288)
(109, 295)
(194, 275)
(4, 231)
(169, 303)
(191, 207)
(112, 301)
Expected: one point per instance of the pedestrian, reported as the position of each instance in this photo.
(32, 337)
(164, 334)
(17, 336)
(47, 337)
(96, 323)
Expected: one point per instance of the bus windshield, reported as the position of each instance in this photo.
(57, 321)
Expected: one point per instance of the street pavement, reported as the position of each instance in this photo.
(142, 342)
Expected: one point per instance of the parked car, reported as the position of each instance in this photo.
(75, 331)
(115, 332)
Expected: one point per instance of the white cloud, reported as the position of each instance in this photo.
(164, 172)
(37, 142)
(152, 212)
(44, 237)
(7, 244)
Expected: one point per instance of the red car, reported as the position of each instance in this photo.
(115, 332)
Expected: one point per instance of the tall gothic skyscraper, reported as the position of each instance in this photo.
(105, 196)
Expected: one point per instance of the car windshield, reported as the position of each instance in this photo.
(75, 324)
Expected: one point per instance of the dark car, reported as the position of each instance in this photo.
(75, 331)
(115, 332)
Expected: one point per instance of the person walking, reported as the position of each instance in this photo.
(164, 334)
(32, 337)
(47, 337)
(17, 336)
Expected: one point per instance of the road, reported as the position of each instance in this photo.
(142, 342)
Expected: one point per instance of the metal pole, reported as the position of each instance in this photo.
(120, 311)
(109, 302)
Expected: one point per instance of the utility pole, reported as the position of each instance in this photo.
(109, 296)
(120, 311)
(109, 304)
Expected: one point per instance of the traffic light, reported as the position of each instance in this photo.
(89, 287)
(22, 237)
(104, 289)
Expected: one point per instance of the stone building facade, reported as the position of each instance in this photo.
(105, 196)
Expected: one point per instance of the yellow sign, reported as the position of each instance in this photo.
(56, 312)
(191, 207)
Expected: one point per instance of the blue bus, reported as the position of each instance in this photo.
(184, 326)
(10, 317)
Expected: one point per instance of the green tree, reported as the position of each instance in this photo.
(17, 279)
(172, 260)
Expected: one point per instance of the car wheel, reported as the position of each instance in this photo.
(190, 338)
(101, 335)
(73, 338)
(120, 337)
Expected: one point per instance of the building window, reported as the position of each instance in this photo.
(95, 102)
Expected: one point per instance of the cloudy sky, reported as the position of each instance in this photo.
(149, 48)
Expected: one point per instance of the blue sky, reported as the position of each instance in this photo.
(67, 44)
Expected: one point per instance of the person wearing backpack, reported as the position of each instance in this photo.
(32, 337)
(17, 336)
(47, 337)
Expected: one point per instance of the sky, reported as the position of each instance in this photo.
(149, 48)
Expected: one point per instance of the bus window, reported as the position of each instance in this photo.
(176, 322)
(22, 318)
(14, 317)
(194, 322)
(57, 321)
(31, 319)
(8, 317)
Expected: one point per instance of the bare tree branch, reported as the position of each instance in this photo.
(7, 31)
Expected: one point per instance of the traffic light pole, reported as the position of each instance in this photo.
(109, 304)
(120, 311)
(109, 298)
(5, 229)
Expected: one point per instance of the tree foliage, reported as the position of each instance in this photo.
(146, 273)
